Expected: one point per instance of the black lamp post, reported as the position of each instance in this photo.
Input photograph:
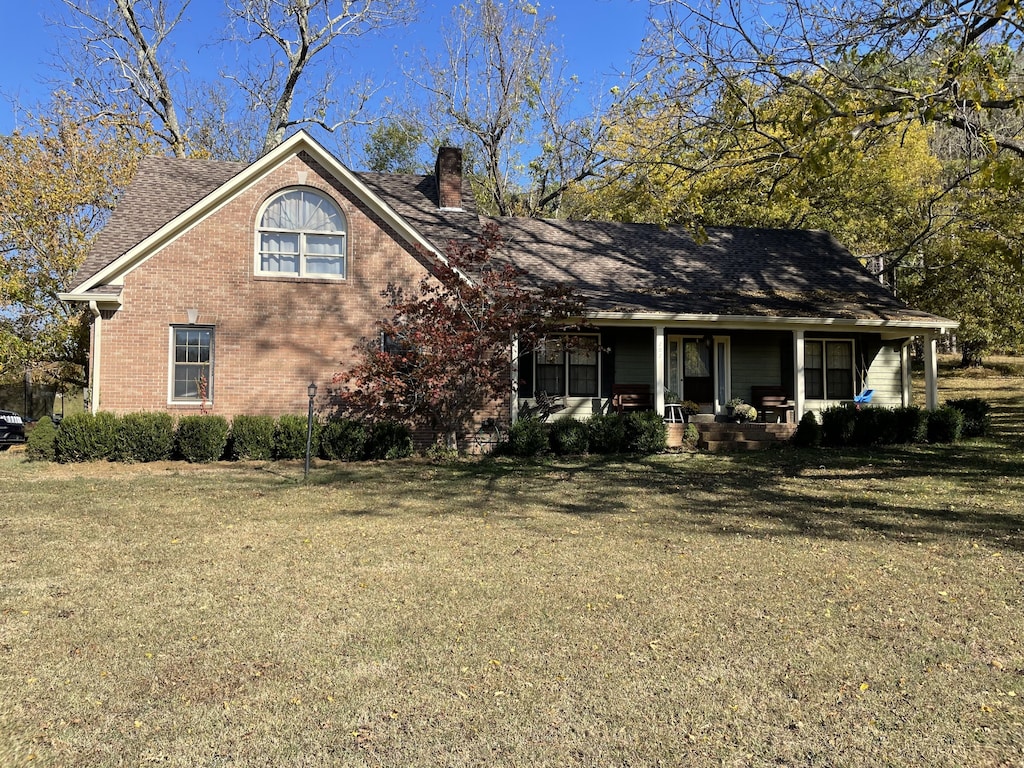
(311, 391)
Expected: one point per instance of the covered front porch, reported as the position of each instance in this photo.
(712, 362)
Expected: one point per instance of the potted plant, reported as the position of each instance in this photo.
(689, 408)
(744, 412)
(730, 406)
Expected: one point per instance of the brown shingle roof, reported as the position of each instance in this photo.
(735, 271)
(163, 187)
(616, 267)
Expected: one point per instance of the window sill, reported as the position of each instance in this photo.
(297, 279)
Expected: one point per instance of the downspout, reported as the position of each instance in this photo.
(94, 361)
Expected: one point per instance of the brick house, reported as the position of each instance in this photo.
(232, 286)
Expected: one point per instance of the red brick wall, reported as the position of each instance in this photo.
(273, 335)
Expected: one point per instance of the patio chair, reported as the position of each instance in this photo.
(864, 397)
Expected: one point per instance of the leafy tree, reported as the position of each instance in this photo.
(393, 146)
(868, 65)
(58, 182)
(445, 352)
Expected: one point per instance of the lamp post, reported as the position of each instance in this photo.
(311, 391)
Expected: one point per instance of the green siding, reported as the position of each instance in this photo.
(757, 362)
(885, 377)
(634, 357)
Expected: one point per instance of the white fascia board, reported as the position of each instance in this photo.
(102, 300)
(113, 273)
(755, 322)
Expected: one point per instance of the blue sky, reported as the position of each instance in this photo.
(598, 38)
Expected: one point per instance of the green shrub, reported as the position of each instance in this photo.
(874, 426)
(837, 425)
(389, 440)
(87, 437)
(691, 435)
(252, 437)
(290, 437)
(911, 424)
(343, 439)
(568, 437)
(146, 437)
(645, 433)
(527, 438)
(41, 441)
(977, 415)
(201, 438)
(607, 433)
(945, 425)
(808, 431)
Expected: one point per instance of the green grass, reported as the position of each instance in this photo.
(787, 608)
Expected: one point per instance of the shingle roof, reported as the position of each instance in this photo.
(734, 271)
(163, 187)
(616, 267)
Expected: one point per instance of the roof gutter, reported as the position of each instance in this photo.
(750, 322)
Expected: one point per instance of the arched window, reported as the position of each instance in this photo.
(302, 234)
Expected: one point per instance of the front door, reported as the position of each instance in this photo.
(690, 370)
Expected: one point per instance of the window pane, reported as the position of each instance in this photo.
(279, 252)
(302, 210)
(192, 363)
(814, 379)
(551, 379)
(839, 374)
(696, 358)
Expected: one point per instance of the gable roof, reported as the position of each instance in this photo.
(622, 270)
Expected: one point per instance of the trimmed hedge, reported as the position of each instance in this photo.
(252, 438)
(41, 441)
(911, 424)
(87, 437)
(977, 415)
(568, 437)
(389, 440)
(145, 437)
(945, 425)
(646, 433)
(607, 433)
(527, 438)
(808, 431)
(837, 425)
(201, 439)
(290, 437)
(343, 439)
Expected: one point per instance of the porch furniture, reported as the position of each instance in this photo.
(544, 405)
(674, 413)
(772, 399)
(864, 397)
(632, 397)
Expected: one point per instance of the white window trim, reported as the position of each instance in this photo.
(171, 400)
(258, 270)
(824, 382)
(565, 365)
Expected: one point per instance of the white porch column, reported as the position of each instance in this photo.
(513, 414)
(907, 391)
(799, 396)
(659, 369)
(95, 357)
(931, 372)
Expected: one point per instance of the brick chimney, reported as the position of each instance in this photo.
(448, 172)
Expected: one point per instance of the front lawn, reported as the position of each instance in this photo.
(786, 608)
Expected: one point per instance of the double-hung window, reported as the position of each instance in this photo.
(302, 234)
(191, 364)
(828, 370)
(568, 365)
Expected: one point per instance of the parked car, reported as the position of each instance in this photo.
(12, 429)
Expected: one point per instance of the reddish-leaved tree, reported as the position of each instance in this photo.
(446, 352)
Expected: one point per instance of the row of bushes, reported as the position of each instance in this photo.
(144, 437)
(844, 426)
(640, 432)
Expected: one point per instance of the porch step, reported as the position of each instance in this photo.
(742, 437)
